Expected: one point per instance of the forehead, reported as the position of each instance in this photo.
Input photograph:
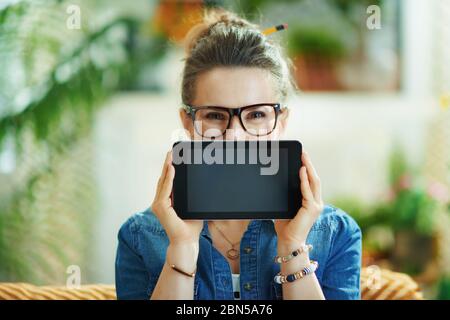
(234, 87)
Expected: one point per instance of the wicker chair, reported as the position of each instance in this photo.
(388, 285)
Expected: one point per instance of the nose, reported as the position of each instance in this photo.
(235, 130)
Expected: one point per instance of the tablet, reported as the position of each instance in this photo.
(219, 180)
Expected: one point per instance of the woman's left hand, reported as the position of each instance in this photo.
(294, 232)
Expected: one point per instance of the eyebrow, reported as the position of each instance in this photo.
(214, 106)
(234, 107)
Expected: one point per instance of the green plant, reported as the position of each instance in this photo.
(317, 42)
(410, 205)
(444, 288)
(53, 81)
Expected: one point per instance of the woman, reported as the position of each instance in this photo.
(231, 64)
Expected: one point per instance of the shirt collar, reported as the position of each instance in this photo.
(253, 225)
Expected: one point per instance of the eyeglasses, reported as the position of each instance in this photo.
(256, 119)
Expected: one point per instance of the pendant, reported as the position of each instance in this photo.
(233, 254)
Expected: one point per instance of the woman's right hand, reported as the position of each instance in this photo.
(183, 249)
(180, 232)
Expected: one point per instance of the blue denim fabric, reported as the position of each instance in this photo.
(335, 236)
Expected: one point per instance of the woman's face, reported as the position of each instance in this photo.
(234, 87)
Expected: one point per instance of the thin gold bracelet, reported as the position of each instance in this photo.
(191, 275)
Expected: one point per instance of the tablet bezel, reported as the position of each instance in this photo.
(179, 191)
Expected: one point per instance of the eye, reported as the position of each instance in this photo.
(256, 115)
(215, 116)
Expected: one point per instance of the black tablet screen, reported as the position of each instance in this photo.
(237, 187)
(259, 182)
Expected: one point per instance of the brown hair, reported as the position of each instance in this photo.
(224, 39)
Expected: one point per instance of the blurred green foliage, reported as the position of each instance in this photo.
(317, 42)
(53, 81)
(443, 291)
(408, 205)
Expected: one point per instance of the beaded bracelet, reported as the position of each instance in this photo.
(280, 279)
(303, 248)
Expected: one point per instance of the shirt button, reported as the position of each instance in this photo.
(248, 249)
(248, 286)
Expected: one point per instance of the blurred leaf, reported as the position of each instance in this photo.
(314, 41)
(52, 82)
(444, 288)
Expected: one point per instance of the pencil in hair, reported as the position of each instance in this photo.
(275, 29)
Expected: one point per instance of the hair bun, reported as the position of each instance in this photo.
(211, 18)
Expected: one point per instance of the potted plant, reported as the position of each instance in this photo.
(315, 52)
(400, 230)
(411, 210)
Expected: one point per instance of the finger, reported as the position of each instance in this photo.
(304, 185)
(167, 183)
(166, 188)
(306, 159)
(163, 175)
(314, 179)
(164, 169)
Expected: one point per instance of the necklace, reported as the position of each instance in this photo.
(233, 254)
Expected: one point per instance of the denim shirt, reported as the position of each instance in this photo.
(335, 236)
